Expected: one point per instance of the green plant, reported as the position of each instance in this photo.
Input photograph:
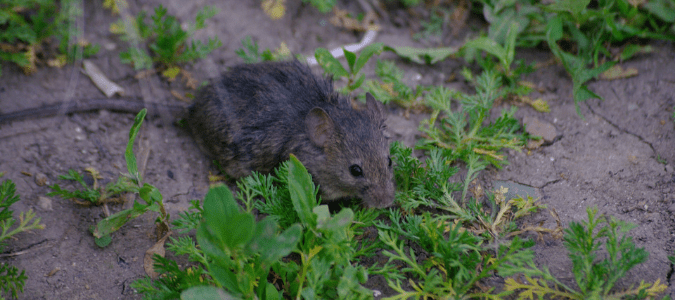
(333, 66)
(455, 259)
(28, 24)
(168, 42)
(504, 50)
(391, 87)
(130, 182)
(595, 273)
(11, 280)
(250, 53)
(463, 131)
(239, 260)
(438, 16)
(580, 33)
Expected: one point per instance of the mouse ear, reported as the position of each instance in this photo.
(375, 107)
(319, 126)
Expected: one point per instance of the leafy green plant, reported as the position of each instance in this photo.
(580, 33)
(423, 55)
(333, 66)
(152, 198)
(11, 280)
(92, 195)
(169, 43)
(391, 88)
(28, 24)
(455, 258)
(433, 26)
(504, 50)
(595, 273)
(238, 261)
(250, 53)
(463, 131)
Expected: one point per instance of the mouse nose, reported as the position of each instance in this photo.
(381, 197)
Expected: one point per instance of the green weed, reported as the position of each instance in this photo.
(28, 24)
(391, 88)
(333, 66)
(240, 261)
(250, 53)
(169, 44)
(580, 33)
(11, 280)
(131, 182)
(463, 131)
(595, 272)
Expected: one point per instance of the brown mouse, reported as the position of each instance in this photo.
(254, 116)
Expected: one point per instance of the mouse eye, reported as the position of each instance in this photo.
(355, 170)
(389, 158)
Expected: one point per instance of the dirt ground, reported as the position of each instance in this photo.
(612, 159)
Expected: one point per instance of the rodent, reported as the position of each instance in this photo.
(255, 115)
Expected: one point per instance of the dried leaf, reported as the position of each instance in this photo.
(148, 262)
(618, 72)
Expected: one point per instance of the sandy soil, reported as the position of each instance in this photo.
(610, 159)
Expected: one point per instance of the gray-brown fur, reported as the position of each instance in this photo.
(255, 116)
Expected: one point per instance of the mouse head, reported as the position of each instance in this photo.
(355, 160)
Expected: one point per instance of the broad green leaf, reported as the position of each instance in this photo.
(487, 45)
(423, 55)
(226, 278)
(219, 205)
(351, 59)
(223, 217)
(150, 194)
(301, 187)
(554, 31)
(329, 63)
(273, 246)
(340, 221)
(239, 230)
(664, 9)
(574, 7)
(116, 221)
(271, 292)
(212, 246)
(103, 241)
(510, 45)
(322, 216)
(206, 293)
(366, 54)
(132, 167)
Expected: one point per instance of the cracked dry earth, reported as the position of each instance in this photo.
(618, 158)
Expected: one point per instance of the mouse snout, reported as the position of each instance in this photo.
(380, 196)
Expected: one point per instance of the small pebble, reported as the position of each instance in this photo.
(45, 203)
(669, 168)
(40, 179)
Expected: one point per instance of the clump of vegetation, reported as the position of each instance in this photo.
(170, 46)
(128, 183)
(391, 88)
(595, 272)
(463, 131)
(29, 25)
(11, 279)
(240, 261)
(251, 54)
(333, 66)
